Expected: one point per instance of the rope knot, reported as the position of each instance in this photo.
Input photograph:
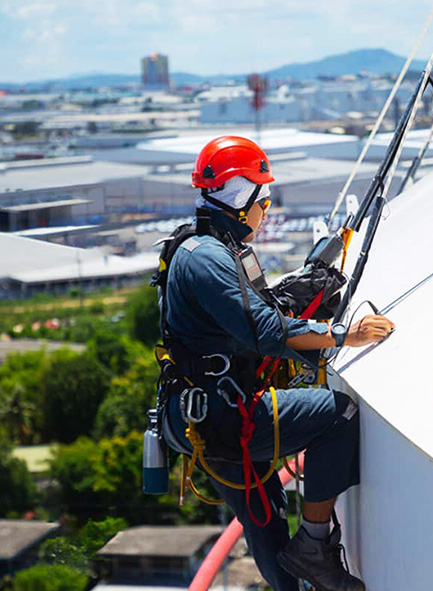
(247, 430)
(196, 441)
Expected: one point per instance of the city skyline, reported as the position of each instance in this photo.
(43, 39)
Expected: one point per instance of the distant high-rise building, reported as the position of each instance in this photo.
(155, 71)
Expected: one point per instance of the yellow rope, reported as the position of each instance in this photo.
(199, 446)
(202, 498)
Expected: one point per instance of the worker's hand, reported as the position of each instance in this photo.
(371, 329)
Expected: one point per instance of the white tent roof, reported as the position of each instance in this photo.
(33, 261)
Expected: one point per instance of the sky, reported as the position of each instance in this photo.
(46, 39)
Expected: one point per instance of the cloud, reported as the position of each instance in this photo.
(200, 36)
(27, 9)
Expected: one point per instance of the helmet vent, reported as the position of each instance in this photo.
(264, 167)
(208, 172)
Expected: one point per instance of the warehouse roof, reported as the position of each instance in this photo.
(44, 205)
(176, 541)
(291, 171)
(17, 535)
(65, 174)
(271, 140)
(34, 261)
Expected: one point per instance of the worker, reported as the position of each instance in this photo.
(218, 323)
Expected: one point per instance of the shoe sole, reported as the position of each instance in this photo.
(300, 574)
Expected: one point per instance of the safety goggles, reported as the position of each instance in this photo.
(265, 204)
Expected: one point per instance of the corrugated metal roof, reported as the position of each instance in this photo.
(66, 175)
(44, 205)
(16, 535)
(176, 541)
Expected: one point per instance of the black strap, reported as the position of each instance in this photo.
(246, 299)
(203, 221)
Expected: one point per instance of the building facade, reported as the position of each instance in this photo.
(155, 72)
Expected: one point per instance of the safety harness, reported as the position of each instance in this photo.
(178, 365)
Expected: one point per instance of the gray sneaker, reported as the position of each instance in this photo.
(318, 562)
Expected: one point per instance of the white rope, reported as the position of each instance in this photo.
(426, 143)
(408, 127)
(378, 123)
(410, 175)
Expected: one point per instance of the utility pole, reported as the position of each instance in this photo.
(259, 85)
(80, 278)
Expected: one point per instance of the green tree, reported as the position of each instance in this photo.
(142, 315)
(95, 534)
(17, 489)
(46, 577)
(65, 552)
(130, 397)
(20, 396)
(72, 467)
(115, 351)
(77, 551)
(16, 413)
(104, 478)
(74, 386)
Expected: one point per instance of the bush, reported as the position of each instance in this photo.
(95, 534)
(45, 577)
(64, 552)
(77, 552)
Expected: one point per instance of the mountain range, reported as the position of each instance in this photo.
(373, 61)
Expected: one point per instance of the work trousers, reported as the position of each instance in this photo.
(324, 423)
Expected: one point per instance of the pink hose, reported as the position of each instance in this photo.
(222, 547)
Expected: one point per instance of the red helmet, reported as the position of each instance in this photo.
(228, 156)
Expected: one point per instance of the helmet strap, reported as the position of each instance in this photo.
(240, 214)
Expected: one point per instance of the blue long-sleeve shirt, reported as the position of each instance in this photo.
(205, 310)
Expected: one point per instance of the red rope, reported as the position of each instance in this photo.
(223, 546)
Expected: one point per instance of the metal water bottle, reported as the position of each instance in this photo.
(155, 460)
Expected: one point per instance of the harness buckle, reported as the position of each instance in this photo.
(193, 405)
(306, 375)
(225, 369)
(226, 387)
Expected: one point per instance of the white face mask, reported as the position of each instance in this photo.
(236, 193)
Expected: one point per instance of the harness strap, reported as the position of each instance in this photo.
(198, 445)
(246, 299)
(313, 305)
(247, 431)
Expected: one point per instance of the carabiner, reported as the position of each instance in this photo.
(225, 369)
(196, 403)
(222, 391)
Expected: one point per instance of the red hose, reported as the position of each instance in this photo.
(222, 547)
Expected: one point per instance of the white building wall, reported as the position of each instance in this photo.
(240, 110)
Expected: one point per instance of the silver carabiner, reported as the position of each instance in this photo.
(223, 392)
(196, 399)
(225, 368)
